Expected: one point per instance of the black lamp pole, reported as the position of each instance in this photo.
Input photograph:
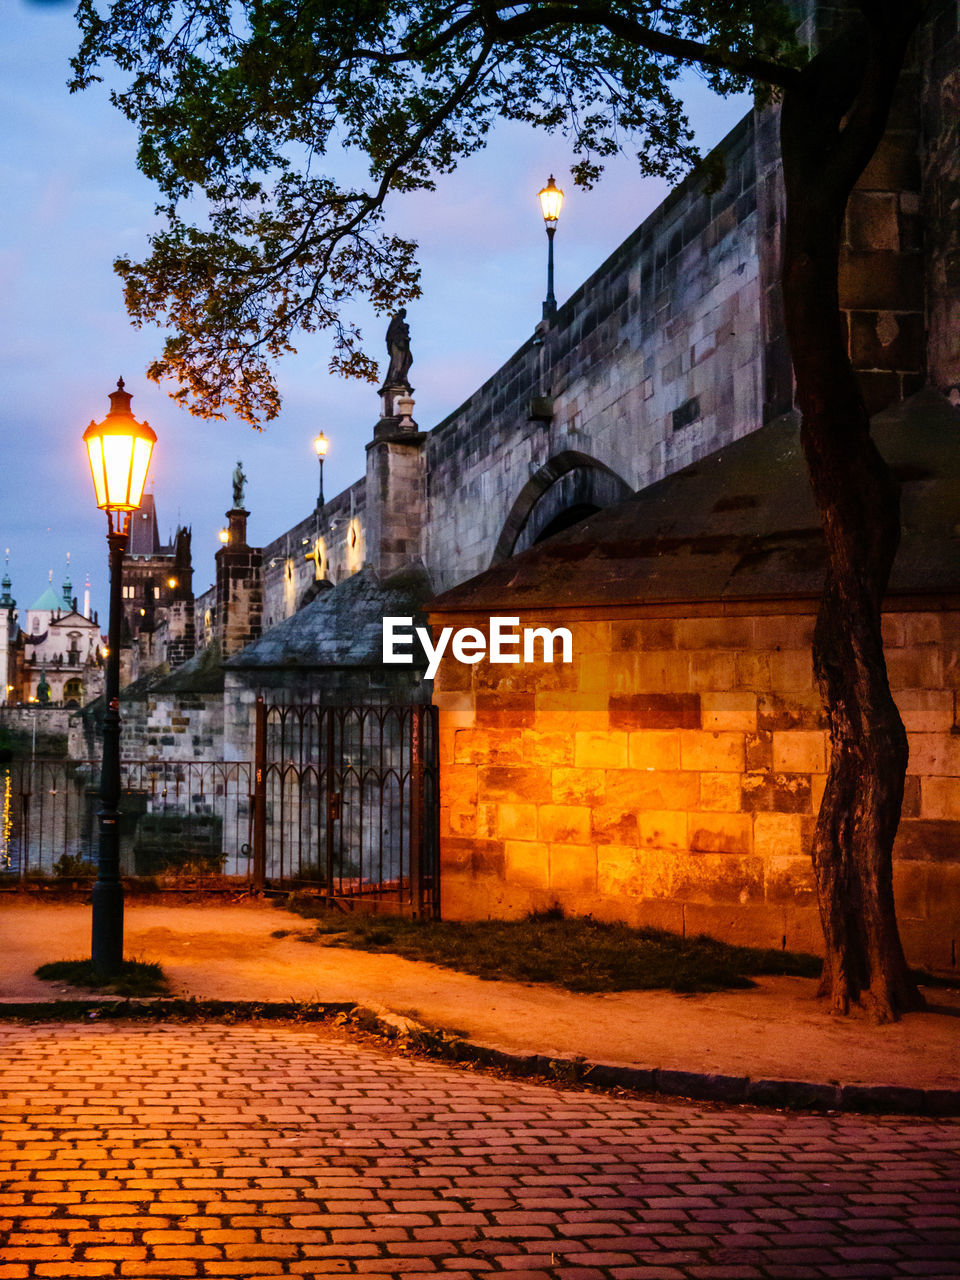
(119, 451)
(550, 303)
(107, 945)
(320, 444)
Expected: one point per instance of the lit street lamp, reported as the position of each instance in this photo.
(551, 202)
(119, 450)
(321, 444)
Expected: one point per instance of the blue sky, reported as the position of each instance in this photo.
(74, 201)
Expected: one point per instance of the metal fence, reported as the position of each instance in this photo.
(340, 801)
(177, 817)
(347, 803)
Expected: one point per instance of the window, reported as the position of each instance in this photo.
(688, 412)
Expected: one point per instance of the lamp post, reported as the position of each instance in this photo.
(321, 444)
(119, 450)
(551, 202)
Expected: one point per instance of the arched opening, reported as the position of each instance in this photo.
(565, 519)
(565, 490)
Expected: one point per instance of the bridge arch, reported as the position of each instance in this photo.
(567, 488)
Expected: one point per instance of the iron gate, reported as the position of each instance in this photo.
(346, 803)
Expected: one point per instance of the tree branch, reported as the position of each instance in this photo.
(532, 22)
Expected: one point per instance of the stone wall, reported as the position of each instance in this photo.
(239, 608)
(56, 730)
(327, 544)
(172, 726)
(940, 200)
(656, 360)
(672, 773)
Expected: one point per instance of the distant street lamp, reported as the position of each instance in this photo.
(119, 450)
(551, 202)
(321, 444)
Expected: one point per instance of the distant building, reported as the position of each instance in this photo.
(157, 596)
(61, 658)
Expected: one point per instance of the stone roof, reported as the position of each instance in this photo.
(343, 627)
(740, 524)
(203, 673)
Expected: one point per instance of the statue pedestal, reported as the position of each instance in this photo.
(396, 406)
(237, 527)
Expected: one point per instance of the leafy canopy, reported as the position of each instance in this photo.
(239, 107)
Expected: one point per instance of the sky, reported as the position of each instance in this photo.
(74, 201)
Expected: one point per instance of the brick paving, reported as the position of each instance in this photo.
(251, 1150)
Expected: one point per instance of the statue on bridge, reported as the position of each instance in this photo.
(239, 480)
(398, 347)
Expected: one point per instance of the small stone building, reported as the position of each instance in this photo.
(671, 773)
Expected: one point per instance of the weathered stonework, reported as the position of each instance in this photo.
(939, 205)
(689, 803)
(239, 588)
(672, 772)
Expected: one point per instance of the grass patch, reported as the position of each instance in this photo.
(136, 977)
(578, 953)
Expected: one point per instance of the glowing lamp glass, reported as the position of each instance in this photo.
(321, 444)
(119, 451)
(551, 201)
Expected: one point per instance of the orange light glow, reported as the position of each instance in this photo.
(551, 201)
(119, 451)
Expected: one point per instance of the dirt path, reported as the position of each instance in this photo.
(777, 1029)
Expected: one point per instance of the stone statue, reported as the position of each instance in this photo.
(398, 346)
(239, 480)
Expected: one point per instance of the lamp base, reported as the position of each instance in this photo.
(106, 950)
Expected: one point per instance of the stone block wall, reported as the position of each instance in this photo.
(671, 774)
(330, 543)
(656, 360)
(172, 726)
(239, 607)
(939, 46)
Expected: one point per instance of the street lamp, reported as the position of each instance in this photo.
(551, 202)
(119, 450)
(321, 444)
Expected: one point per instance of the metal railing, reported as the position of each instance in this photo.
(342, 801)
(177, 817)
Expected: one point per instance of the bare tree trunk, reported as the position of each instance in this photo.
(829, 129)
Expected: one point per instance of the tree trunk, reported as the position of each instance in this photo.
(830, 127)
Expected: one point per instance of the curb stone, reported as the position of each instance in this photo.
(560, 1068)
(791, 1095)
(157, 1008)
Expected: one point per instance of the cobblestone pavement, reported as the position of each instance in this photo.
(254, 1150)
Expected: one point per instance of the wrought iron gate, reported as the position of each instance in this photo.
(346, 803)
